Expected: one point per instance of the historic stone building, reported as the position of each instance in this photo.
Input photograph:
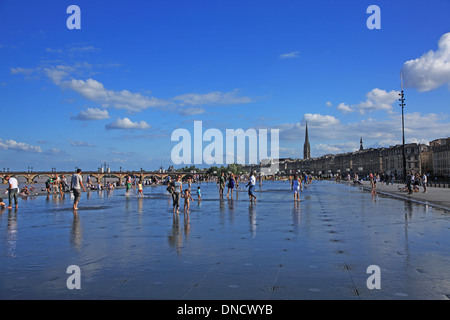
(440, 150)
(420, 158)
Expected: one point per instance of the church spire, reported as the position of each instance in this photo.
(361, 148)
(306, 146)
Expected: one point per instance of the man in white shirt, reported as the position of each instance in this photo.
(424, 183)
(251, 184)
(13, 190)
(76, 185)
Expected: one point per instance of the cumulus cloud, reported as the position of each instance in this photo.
(344, 108)
(127, 124)
(317, 119)
(290, 55)
(95, 91)
(431, 70)
(92, 114)
(377, 99)
(18, 146)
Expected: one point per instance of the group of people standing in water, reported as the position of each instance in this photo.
(175, 188)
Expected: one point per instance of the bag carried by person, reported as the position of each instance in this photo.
(169, 189)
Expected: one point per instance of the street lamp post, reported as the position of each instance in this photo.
(402, 104)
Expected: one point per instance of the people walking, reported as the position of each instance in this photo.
(177, 191)
(231, 185)
(251, 187)
(13, 191)
(409, 181)
(221, 182)
(76, 185)
(296, 186)
(424, 183)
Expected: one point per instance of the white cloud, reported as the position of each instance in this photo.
(80, 144)
(191, 111)
(377, 99)
(290, 55)
(431, 70)
(344, 108)
(211, 98)
(320, 120)
(93, 90)
(92, 114)
(127, 124)
(323, 148)
(58, 73)
(18, 146)
(24, 71)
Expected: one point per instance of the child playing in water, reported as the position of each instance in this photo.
(187, 197)
(296, 186)
(140, 193)
(199, 194)
(2, 204)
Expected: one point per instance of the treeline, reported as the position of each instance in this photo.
(214, 170)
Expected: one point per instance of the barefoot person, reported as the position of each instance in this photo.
(76, 185)
(187, 200)
(13, 190)
(177, 192)
(424, 182)
(251, 184)
(296, 187)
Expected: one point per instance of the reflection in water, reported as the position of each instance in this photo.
(408, 210)
(296, 216)
(140, 205)
(175, 237)
(374, 196)
(12, 233)
(187, 225)
(231, 210)
(382, 237)
(252, 218)
(75, 232)
(408, 215)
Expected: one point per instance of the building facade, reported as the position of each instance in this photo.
(440, 150)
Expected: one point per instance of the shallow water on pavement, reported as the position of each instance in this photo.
(135, 248)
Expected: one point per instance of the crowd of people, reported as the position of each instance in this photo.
(412, 183)
(131, 182)
(231, 182)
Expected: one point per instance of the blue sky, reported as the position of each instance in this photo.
(117, 88)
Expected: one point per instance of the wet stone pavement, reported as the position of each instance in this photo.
(135, 248)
